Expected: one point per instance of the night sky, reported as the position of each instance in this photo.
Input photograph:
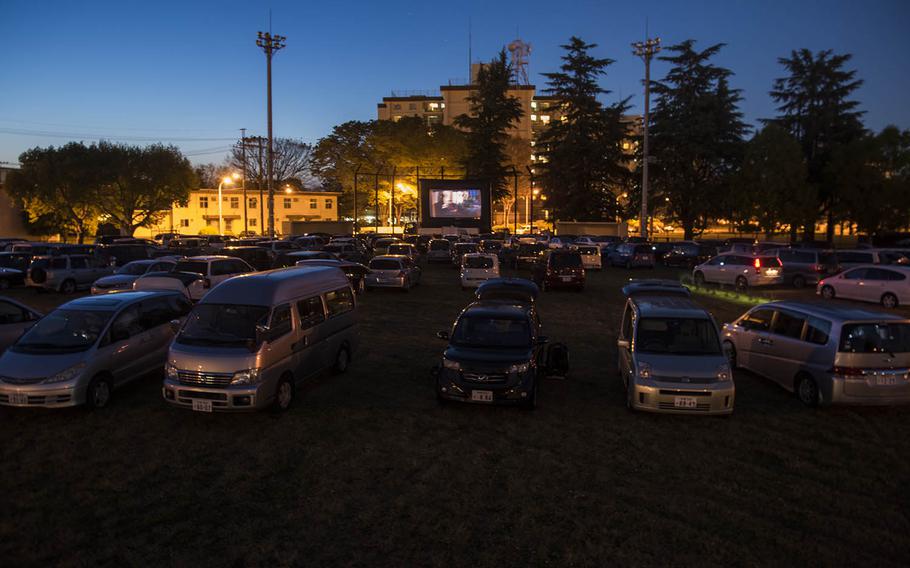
(190, 72)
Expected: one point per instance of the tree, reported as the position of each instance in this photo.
(292, 161)
(492, 112)
(696, 137)
(814, 106)
(583, 161)
(57, 188)
(139, 184)
(771, 186)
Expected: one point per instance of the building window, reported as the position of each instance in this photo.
(545, 118)
(204, 202)
(184, 222)
(253, 222)
(396, 107)
(534, 105)
(252, 202)
(287, 202)
(313, 204)
(328, 203)
(227, 225)
(412, 106)
(235, 203)
(433, 106)
(396, 118)
(533, 118)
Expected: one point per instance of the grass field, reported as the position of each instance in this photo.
(368, 470)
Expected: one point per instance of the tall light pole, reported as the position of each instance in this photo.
(646, 50)
(270, 44)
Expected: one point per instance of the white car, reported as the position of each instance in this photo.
(191, 284)
(214, 269)
(590, 256)
(885, 285)
(477, 268)
(742, 271)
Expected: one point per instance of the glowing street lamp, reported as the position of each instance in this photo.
(227, 180)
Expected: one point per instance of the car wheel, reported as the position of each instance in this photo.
(807, 390)
(828, 292)
(98, 392)
(730, 352)
(284, 394)
(699, 279)
(342, 361)
(68, 287)
(799, 281)
(889, 301)
(742, 284)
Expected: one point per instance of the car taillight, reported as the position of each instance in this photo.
(757, 265)
(848, 371)
(818, 268)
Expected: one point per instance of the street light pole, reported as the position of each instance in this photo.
(646, 50)
(246, 226)
(270, 44)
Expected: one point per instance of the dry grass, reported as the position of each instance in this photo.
(368, 470)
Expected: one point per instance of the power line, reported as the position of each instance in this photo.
(128, 128)
(86, 136)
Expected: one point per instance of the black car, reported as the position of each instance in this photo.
(16, 260)
(660, 250)
(287, 259)
(528, 254)
(497, 354)
(560, 268)
(257, 257)
(460, 249)
(689, 255)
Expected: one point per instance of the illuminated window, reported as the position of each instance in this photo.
(442, 105)
(534, 105)
(533, 143)
(204, 202)
(533, 118)
(328, 203)
(313, 203)
(433, 106)
(625, 145)
(287, 202)
(533, 157)
(545, 118)
(396, 118)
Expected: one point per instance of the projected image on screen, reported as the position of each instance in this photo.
(455, 203)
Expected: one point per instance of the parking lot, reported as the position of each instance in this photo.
(367, 468)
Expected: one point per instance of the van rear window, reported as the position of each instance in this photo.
(385, 264)
(875, 338)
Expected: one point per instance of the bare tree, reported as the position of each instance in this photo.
(291, 162)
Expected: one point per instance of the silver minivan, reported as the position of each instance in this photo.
(825, 354)
(254, 338)
(85, 349)
(670, 356)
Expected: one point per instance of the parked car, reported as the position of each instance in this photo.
(292, 258)
(257, 257)
(688, 254)
(439, 250)
(460, 249)
(252, 341)
(825, 354)
(894, 256)
(10, 277)
(381, 246)
(632, 255)
(15, 319)
(87, 348)
(348, 251)
(739, 270)
(215, 269)
(562, 241)
(389, 271)
(404, 249)
(118, 254)
(191, 285)
(65, 274)
(802, 267)
(850, 258)
(660, 250)
(560, 268)
(497, 353)
(590, 256)
(16, 261)
(123, 278)
(885, 285)
(670, 356)
(491, 246)
(528, 254)
(188, 246)
(353, 270)
(520, 290)
(477, 268)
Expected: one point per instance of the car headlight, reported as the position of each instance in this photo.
(644, 371)
(723, 373)
(449, 364)
(246, 377)
(171, 372)
(520, 367)
(66, 375)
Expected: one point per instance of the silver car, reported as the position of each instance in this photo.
(15, 319)
(392, 272)
(85, 349)
(65, 273)
(742, 271)
(825, 354)
(123, 278)
(670, 355)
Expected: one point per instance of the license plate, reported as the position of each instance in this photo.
(565, 278)
(771, 272)
(202, 405)
(18, 398)
(685, 402)
(482, 396)
(886, 380)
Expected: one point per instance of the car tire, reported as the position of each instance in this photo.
(284, 394)
(889, 301)
(699, 279)
(741, 284)
(68, 287)
(342, 361)
(828, 292)
(730, 352)
(799, 281)
(98, 393)
(807, 390)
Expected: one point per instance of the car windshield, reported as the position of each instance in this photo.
(478, 262)
(133, 269)
(566, 261)
(192, 266)
(222, 324)
(486, 332)
(887, 338)
(64, 330)
(677, 336)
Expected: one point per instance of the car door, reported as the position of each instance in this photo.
(625, 351)
(872, 287)
(715, 269)
(156, 314)
(126, 345)
(14, 320)
(310, 341)
(220, 270)
(80, 271)
(281, 343)
(782, 352)
(847, 285)
(752, 333)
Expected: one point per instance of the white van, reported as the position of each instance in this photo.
(255, 338)
(477, 268)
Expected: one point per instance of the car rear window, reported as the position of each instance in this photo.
(385, 264)
(875, 338)
(769, 261)
(399, 249)
(440, 245)
(643, 249)
(192, 266)
(478, 262)
(565, 261)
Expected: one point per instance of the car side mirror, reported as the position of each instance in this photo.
(443, 335)
(262, 333)
(623, 344)
(175, 325)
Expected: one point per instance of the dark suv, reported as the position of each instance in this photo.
(560, 268)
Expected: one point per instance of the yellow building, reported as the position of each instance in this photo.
(200, 214)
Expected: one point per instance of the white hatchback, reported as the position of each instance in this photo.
(477, 268)
(885, 285)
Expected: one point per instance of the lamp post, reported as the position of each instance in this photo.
(226, 180)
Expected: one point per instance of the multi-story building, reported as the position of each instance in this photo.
(200, 214)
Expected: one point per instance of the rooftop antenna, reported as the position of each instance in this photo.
(519, 52)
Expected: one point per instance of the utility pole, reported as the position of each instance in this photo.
(356, 174)
(270, 44)
(246, 225)
(646, 50)
(376, 197)
(392, 201)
